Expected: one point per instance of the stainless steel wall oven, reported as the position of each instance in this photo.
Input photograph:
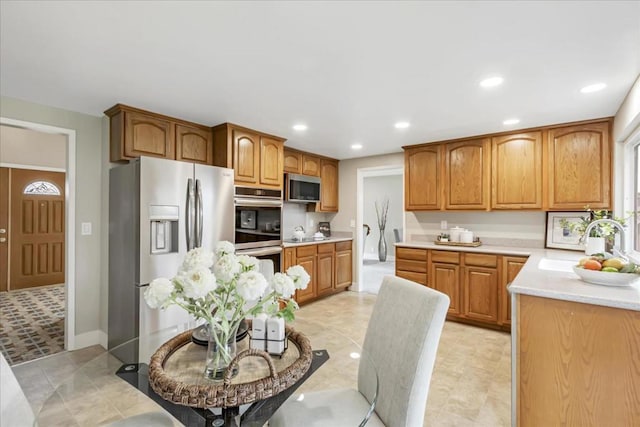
(258, 218)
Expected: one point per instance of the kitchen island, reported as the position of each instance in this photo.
(575, 347)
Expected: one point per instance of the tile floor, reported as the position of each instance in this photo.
(470, 384)
(32, 323)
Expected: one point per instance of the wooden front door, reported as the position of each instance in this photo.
(36, 233)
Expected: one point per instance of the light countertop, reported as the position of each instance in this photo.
(560, 282)
(331, 239)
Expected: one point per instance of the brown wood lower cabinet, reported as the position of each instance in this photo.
(476, 283)
(511, 266)
(328, 264)
(576, 364)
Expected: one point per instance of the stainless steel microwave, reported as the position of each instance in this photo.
(302, 188)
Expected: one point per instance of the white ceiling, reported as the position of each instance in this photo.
(349, 70)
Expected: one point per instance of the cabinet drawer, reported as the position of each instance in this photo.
(481, 260)
(445, 256)
(414, 277)
(411, 265)
(343, 246)
(303, 251)
(410, 253)
(326, 248)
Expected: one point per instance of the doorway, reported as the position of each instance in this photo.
(376, 188)
(36, 209)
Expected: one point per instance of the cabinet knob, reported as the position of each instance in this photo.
(2, 240)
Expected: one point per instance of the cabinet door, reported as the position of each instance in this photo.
(481, 294)
(146, 135)
(328, 186)
(271, 158)
(292, 162)
(309, 264)
(325, 273)
(467, 174)
(288, 258)
(423, 178)
(516, 171)
(511, 266)
(246, 157)
(446, 279)
(194, 144)
(344, 265)
(310, 165)
(579, 161)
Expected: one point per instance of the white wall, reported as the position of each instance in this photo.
(348, 185)
(89, 203)
(377, 189)
(625, 124)
(30, 148)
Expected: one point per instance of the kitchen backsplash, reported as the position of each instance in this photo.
(519, 229)
(295, 214)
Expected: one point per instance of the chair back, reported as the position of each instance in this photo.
(401, 341)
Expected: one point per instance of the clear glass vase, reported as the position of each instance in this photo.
(221, 349)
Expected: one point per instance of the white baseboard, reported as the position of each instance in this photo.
(90, 338)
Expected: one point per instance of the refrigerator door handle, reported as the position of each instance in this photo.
(200, 217)
(190, 214)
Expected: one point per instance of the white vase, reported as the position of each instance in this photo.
(595, 245)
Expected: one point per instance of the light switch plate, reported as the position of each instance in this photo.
(86, 229)
(352, 223)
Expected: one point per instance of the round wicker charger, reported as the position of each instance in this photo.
(222, 394)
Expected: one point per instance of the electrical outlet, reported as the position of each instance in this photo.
(443, 225)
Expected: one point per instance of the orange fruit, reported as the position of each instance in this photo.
(592, 264)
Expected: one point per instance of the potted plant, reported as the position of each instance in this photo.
(602, 236)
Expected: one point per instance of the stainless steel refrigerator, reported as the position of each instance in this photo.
(158, 210)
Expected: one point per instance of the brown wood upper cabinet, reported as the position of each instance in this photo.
(423, 178)
(194, 144)
(579, 166)
(328, 186)
(135, 133)
(292, 161)
(546, 168)
(301, 163)
(467, 174)
(516, 178)
(256, 158)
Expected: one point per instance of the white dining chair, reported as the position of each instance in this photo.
(401, 343)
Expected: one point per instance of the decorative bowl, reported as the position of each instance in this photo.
(606, 278)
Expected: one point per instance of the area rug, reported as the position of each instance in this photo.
(32, 323)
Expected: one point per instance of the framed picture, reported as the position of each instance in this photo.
(559, 237)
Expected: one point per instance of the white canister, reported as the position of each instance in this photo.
(466, 236)
(454, 234)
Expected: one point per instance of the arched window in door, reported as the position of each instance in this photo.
(42, 188)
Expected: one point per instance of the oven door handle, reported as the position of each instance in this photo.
(271, 250)
(257, 202)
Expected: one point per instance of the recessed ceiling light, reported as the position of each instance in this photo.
(492, 81)
(593, 88)
(356, 146)
(511, 122)
(402, 125)
(300, 126)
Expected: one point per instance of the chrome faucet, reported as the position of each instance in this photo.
(616, 224)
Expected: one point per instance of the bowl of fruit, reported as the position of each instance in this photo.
(607, 270)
